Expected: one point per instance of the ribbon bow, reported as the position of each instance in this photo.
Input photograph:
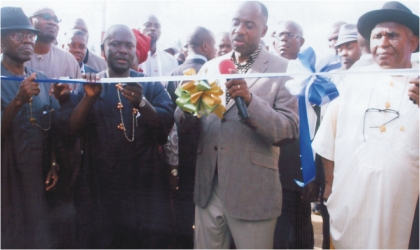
(313, 90)
(201, 97)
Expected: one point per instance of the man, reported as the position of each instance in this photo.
(366, 57)
(120, 199)
(347, 46)
(200, 50)
(26, 111)
(224, 45)
(91, 60)
(55, 63)
(47, 58)
(77, 46)
(369, 140)
(237, 190)
(288, 39)
(159, 62)
(333, 33)
(294, 226)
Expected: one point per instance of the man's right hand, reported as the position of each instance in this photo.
(92, 89)
(27, 89)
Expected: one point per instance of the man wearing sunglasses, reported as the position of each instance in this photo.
(48, 58)
(55, 63)
(369, 139)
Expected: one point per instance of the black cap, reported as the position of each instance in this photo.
(391, 12)
(13, 18)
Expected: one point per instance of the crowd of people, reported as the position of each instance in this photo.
(95, 164)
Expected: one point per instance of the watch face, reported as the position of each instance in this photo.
(142, 102)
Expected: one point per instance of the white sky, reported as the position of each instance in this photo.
(178, 18)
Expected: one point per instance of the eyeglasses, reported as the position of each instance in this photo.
(287, 34)
(47, 17)
(390, 111)
(18, 36)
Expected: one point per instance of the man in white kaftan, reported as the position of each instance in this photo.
(369, 140)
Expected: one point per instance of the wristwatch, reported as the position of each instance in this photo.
(174, 172)
(142, 102)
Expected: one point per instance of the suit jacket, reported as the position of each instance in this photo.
(246, 158)
(178, 71)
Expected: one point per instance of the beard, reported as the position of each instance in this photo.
(46, 38)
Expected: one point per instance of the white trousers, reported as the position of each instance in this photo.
(213, 227)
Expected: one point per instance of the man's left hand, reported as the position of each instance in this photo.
(238, 87)
(133, 92)
(413, 90)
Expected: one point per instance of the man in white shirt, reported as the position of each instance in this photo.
(159, 62)
(369, 140)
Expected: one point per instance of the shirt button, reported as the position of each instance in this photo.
(215, 148)
(387, 105)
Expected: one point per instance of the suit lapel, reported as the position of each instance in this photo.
(260, 65)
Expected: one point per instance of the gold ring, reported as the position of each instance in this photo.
(132, 93)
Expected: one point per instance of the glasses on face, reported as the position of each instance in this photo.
(19, 36)
(119, 44)
(150, 25)
(390, 111)
(47, 17)
(287, 34)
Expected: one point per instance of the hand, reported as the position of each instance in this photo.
(310, 192)
(133, 92)
(61, 91)
(51, 180)
(27, 89)
(327, 192)
(413, 91)
(238, 87)
(92, 89)
(173, 180)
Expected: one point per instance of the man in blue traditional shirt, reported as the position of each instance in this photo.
(120, 192)
(25, 139)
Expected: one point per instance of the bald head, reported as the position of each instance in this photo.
(249, 25)
(118, 28)
(288, 39)
(119, 48)
(44, 10)
(261, 9)
(201, 41)
(80, 24)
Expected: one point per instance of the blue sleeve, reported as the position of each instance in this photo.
(157, 95)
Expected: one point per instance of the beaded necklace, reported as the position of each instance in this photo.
(121, 126)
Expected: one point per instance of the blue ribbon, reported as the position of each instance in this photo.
(321, 91)
(19, 79)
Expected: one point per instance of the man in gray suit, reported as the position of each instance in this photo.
(237, 189)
